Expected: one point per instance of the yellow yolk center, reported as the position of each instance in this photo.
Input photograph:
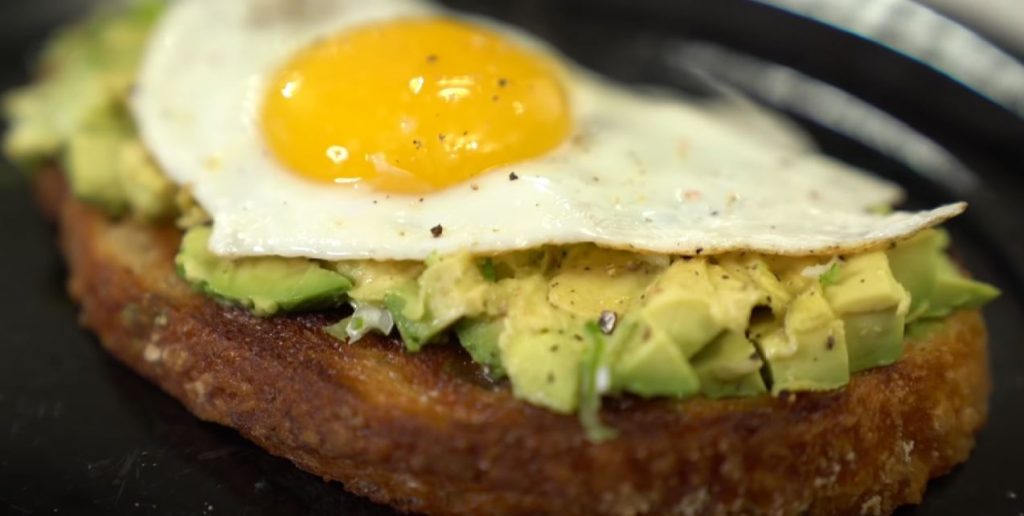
(413, 105)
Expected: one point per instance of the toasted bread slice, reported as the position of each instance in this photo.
(427, 432)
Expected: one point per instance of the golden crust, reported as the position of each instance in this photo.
(427, 433)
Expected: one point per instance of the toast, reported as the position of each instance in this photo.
(428, 432)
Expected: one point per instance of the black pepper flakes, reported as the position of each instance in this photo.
(607, 322)
(437, 231)
(830, 343)
(700, 250)
(441, 137)
(432, 58)
(502, 82)
(418, 144)
(513, 177)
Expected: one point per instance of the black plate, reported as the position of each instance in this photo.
(80, 434)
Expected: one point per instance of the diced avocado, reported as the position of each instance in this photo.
(373, 280)
(541, 348)
(692, 302)
(651, 364)
(591, 280)
(481, 337)
(865, 283)
(149, 194)
(264, 285)
(416, 325)
(873, 307)
(729, 366)
(806, 351)
(914, 264)
(936, 285)
(873, 339)
(448, 289)
(754, 270)
(953, 290)
(86, 73)
(678, 304)
(92, 168)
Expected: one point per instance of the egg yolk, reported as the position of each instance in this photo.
(413, 106)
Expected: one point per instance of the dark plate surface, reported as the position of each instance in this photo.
(80, 434)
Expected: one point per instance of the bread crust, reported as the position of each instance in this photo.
(427, 433)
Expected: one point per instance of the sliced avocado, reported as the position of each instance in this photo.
(264, 285)
(729, 366)
(481, 337)
(807, 350)
(591, 280)
(149, 194)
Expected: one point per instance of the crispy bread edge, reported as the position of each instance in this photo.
(427, 433)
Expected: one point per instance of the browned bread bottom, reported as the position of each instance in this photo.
(427, 433)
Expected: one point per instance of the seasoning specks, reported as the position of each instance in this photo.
(513, 177)
(437, 231)
(607, 322)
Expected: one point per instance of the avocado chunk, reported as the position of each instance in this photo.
(650, 363)
(914, 264)
(873, 339)
(91, 163)
(481, 338)
(373, 280)
(953, 290)
(729, 366)
(873, 306)
(591, 280)
(449, 289)
(807, 349)
(87, 72)
(541, 346)
(266, 286)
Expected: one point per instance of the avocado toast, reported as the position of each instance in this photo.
(439, 431)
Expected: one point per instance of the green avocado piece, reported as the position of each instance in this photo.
(953, 290)
(729, 366)
(266, 286)
(416, 325)
(873, 339)
(914, 264)
(652, 364)
(591, 280)
(86, 73)
(481, 339)
(541, 346)
(806, 350)
(873, 307)
(449, 289)
(91, 163)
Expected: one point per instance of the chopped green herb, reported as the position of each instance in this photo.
(830, 276)
(591, 386)
(488, 271)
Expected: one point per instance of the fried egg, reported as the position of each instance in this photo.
(394, 129)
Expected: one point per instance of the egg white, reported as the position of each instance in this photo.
(643, 171)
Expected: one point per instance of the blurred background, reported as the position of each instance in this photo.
(928, 93)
